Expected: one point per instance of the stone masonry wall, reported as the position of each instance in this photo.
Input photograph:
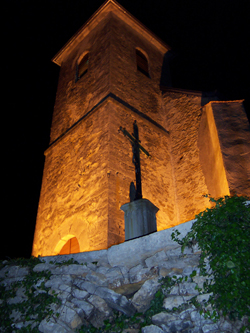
(74, 99)
(182, 120)
(124, 278)
(234, 135)
(87, 177)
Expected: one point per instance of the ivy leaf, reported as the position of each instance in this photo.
(230, 264)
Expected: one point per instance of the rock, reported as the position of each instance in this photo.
(102, 311)
(55, 281)
(102, 269)
(50, 326)
(117, 276)
(79, 270)
(85, 306)
(139, 273)
(208, 328)
(163, 318)
(179, 325)
(152, 329)
(188, 289)
(86, 285)
(70, 316)
(174, 290)
(129, 290)
(164, 271)
(19, 298)
(187, 271)
(64, 296)
(203, 297)
(65, 287)
(176, 252)
(141, 300)
(175, 301)
(97, 278)
(43, 267)
(116, 301)
(199, 280)
(80, 294)
(156, 259)
(100, 304)
(186, 313)
(14, 271)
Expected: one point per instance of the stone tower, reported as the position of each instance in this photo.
(110, 76)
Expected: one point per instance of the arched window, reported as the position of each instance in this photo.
(142, 63)
(71, 246)
(82, 66)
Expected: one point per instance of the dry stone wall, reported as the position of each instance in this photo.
(124, 279)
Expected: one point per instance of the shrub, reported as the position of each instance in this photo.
(223, 235)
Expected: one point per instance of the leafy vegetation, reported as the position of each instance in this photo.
(36, 300)
(223, 236)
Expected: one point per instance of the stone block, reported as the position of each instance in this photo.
(140, 218)
(163, 318)
(142, 298)
(100, 305)
(52, 326)
(80, 294)
(69, 316)
(84, 306)
(55, 281)
(152, 329)
(175, 301)
(116, 278)
(97, 278)
(145, 247)
(14, 272)
(210, 328)
(188, 289)
(116, 301)
(43, 267)
(156, 259)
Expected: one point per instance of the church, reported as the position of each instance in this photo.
(113, 72)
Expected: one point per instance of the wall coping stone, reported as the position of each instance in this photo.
(139, 249)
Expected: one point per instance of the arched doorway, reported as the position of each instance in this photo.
(71, 246)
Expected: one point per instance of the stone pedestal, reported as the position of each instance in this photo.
(140, 218)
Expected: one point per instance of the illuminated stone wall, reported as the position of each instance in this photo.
(88, 167)
(182, 118)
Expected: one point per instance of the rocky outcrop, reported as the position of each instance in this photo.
(92, 289)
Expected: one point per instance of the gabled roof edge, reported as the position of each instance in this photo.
(102, 8)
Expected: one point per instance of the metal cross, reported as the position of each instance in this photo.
(136, 147)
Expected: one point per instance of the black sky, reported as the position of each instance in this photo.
(211, 41)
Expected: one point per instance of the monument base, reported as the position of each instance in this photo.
(140, 218)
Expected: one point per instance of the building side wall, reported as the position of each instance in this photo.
(234, 136)
(182, 119)
(210, 155)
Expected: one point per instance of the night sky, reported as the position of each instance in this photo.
(210, 41)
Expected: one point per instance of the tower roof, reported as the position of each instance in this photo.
(114, 7)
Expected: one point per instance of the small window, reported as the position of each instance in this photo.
(82, 67)
(142, 63)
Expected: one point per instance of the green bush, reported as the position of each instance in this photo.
(223, 236)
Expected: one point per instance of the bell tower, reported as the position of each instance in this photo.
(109, 77)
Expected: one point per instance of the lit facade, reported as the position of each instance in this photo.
(110, 76)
